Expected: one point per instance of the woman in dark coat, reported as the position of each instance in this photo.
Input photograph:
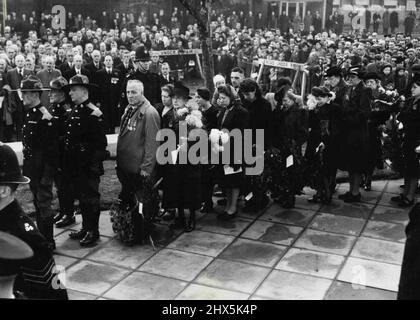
(410, 118)
(182, 189)
(325, 122)
(290, 132)
(356, 139)
(233, 116)
(382, 107)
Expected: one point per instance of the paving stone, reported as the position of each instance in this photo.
(143, 286)
(114, 252)
(302, 203)
(389, 214)
(72, 248)
(75, 295)
(92, 277)
(272, 232)
(296, 216)
(64, 261)
(345, 291)
(371, 274)
(325, 242)
(282, 285)
(232, 276)
(233, 227)
(352, 210)
(393, 186)
(198, 292)
(386, 200)
(379, 250)
(337, 224)
(371, 197)
(311, 262)
(210, 244)
(254, 252)
(162, 235)
(386, 231)
(176, 264)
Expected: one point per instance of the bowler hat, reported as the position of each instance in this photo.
(58, 83)
(142, 54)
(10, 172)
(13, 252)
(180, 90)
(32, 84)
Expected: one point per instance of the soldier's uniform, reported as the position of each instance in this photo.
(151, 81)
(38, 276)
(40, 152)
(61, 111)
(84, 151)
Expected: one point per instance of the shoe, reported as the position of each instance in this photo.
(58, 217)
(90, 238)
(353, 198)
(78, 235)
(368, 186)
(405, 203)
(398, 198)
(344, 196)
(221, 202)
(168, 215)
(52, 246)
(226, 216)
(207, 208)
(326, 200)
(77, 211)
(66, 221)
(190, 225)
(250, 207)
(289, 202)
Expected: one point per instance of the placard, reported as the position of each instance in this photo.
(411, 5)
(362, 2)
(282, 64)
(391, 3)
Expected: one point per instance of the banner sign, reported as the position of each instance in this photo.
(362, 2)
(391, 3)
(176, 52)
(282, 64)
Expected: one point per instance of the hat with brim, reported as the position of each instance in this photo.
(356, 71)
(79, 80)
(13, 252)
(58, 83)
(10, 172)
(31, 84)
(334, 71)
(180, 90)
(321, 92)
(371, 76)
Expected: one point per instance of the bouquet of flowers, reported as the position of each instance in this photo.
(218, 139)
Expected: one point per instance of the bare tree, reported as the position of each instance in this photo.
(201, 11)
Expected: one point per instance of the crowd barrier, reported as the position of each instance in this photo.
(112, 147)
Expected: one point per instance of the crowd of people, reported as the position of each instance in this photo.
(63, 91)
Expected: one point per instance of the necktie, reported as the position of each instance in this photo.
(127, 118)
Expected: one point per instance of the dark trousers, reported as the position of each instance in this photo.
(111, 119)
(41, 185)
(409, 287)
(59, 182)
(85, 187)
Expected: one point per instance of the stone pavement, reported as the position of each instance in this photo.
(310, 252)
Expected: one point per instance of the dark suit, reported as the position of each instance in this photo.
(87, 58)
(110, 89)
(72, 72)
(93, 69)
(14, 80)
(167, 80)
(124, 71)
(64, 68)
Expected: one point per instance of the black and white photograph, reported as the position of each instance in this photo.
(198, 150)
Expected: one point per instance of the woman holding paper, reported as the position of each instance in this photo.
(233, 116)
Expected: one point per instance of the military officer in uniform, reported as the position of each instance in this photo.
(37, 277)
(40, 154)
(60, 109)
(84, 152)
(151, 81)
